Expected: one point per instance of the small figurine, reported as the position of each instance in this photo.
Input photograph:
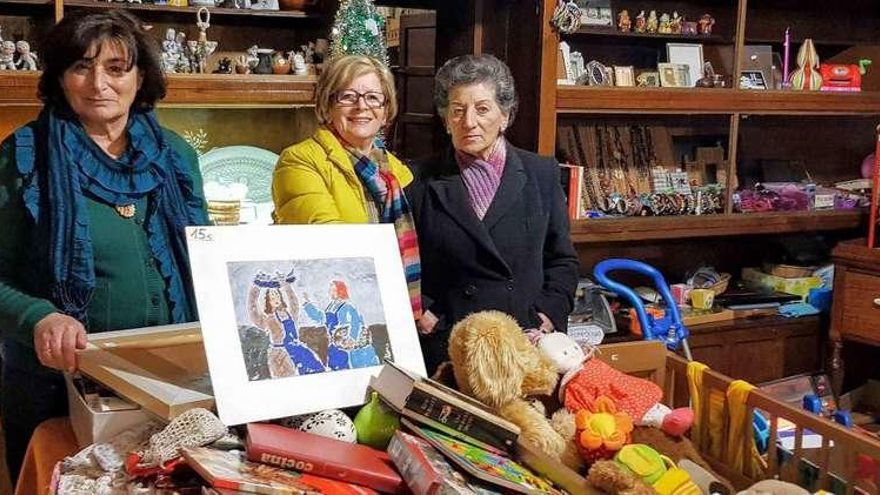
(280, 64)
(651, 25)
(299, 65)
(708, 79)
(7, 53)
(664, 28)
(675, 23)
(171, 51)
(184, 62)
(704, 25)
(202, 48)
(224, 66)
(248, 62)
(27, 60)
(623, 21)
(689, 28)
(640, 22)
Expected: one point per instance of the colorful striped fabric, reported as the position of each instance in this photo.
(387, 193)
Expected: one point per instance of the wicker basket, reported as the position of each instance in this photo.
(720, 286)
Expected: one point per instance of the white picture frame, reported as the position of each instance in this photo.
(674, 75)
(753, 79)
(265, 296)
(624, 76)
(690, 54)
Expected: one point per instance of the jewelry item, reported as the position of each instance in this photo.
(125, 211)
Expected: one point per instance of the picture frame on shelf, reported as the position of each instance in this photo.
(690, 54)
(752, 79)
(595, 12)
(648, 79)
(674, 75)
(597, 74)
(623, 76)
(303, 331)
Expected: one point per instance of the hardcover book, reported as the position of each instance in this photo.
(485, 465)
(229, 471)
(443, 408)
(322, 456)
(426, 471)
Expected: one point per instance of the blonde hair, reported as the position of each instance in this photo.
(341, 72)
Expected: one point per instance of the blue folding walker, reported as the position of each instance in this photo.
(668, 329)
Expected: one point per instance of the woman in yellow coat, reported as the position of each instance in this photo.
(342, 173)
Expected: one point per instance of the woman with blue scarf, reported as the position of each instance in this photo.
(94, 198)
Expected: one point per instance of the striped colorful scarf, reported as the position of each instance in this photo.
(394, 208)
(482, 177)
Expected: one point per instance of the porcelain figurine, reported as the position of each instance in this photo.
(664, 28)
(704, 25)
(640, 22)
(184, 62)
(224, 66)
(280, 64)
(248, 62)
(171, 51)
(651, 25)
(7, 54)
(299, 65)
(201, 49)
(675, 23)
(27, 60)
(624, 23)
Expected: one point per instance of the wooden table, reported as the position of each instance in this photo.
(53, 440)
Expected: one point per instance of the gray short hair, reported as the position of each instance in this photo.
(465, 70)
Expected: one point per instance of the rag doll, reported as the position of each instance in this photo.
(585, 380)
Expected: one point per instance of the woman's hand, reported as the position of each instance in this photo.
(427, 323)
(546, 325)
(56, 339)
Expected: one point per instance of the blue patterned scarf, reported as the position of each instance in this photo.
(60, 164)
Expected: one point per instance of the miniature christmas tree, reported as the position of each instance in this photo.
(358, 30)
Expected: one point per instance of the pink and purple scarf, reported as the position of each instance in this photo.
(482, 177)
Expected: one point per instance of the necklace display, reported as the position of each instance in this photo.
(126, 211)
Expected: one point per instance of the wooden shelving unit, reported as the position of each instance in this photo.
(147, 7)
(612, 33)
(203, 90)
(591, 99)
(631, 229)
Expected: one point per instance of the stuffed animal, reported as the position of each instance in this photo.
(584, 380)
(774, 487)
(611, 478)
(602, 432)
(494, 362)
(677, 449)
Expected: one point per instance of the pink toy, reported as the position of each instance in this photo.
(585, 380)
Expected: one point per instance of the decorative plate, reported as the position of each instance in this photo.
(246, 165)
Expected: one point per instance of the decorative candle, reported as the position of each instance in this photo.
(786, 82)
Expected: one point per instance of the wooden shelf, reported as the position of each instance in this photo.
(612, 33)
(602, 230)
(586, 99)
(197, 90)
(39, 3)
(94, 4)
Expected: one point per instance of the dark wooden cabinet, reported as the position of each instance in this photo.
(855, 314)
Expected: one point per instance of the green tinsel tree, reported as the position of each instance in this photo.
(359, 29)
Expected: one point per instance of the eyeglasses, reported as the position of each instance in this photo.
(350, 97)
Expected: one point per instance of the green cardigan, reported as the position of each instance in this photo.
(129, 290)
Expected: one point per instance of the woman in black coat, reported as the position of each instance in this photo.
(491, 218)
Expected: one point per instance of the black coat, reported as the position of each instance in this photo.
(519, 259)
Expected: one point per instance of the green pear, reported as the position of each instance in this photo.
(376, 423)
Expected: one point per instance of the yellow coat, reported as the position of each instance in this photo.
(315, 182)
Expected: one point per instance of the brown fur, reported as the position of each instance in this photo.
(610, 478)
(494, 362)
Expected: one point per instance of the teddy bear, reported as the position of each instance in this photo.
(610, 478)
(494, 362)
(585, 380)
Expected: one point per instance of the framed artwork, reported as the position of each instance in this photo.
(674, 75)
(648, 79)
(595, 12)
(297, 318)
(623, 75)
(752, 79)
(690, 54)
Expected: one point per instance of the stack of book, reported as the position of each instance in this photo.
(453, 443)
